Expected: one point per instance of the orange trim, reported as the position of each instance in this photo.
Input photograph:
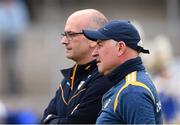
(73, 76)
(62, 94)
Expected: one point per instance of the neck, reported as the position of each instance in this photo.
(84, 61)
(85, 58)
(129, 55)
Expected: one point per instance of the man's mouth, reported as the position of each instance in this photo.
(68, 49)
(98, 61)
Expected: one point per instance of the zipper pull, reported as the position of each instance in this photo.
(75, 109)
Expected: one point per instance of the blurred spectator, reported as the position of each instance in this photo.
(23, 116)
(13, 20)
(169, 76)
(164, 78)
(3, 112)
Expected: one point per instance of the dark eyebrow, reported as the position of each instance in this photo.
(99, 42)
(72, 31)
(68, 31)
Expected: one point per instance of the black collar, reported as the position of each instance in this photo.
(82, 70)
(124, 69)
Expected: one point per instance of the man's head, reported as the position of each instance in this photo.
(117, 42)
(78, 47)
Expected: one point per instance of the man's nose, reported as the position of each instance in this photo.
(95, 52)
(64, 40)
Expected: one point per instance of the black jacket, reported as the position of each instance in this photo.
(82, 103)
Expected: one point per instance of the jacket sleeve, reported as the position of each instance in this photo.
(136, 108)
(51, 109)
(89, 106)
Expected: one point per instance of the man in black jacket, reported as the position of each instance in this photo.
(78, 99)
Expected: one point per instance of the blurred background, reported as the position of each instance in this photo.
(31, 55)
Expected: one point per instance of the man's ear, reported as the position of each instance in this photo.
(121, 46)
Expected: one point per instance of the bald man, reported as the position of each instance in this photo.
(78, 98)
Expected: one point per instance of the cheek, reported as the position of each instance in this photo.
(107, 57)
(76, 44)
(107, 53)
(80, 46)
(83, 46)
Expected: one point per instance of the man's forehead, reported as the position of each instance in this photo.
(106, 42)
(75, 25)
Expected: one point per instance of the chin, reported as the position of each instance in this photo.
(69, 56)
(101, 71)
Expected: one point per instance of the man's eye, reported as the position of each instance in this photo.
(71, 34)
(63, 34)
(99, 45)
